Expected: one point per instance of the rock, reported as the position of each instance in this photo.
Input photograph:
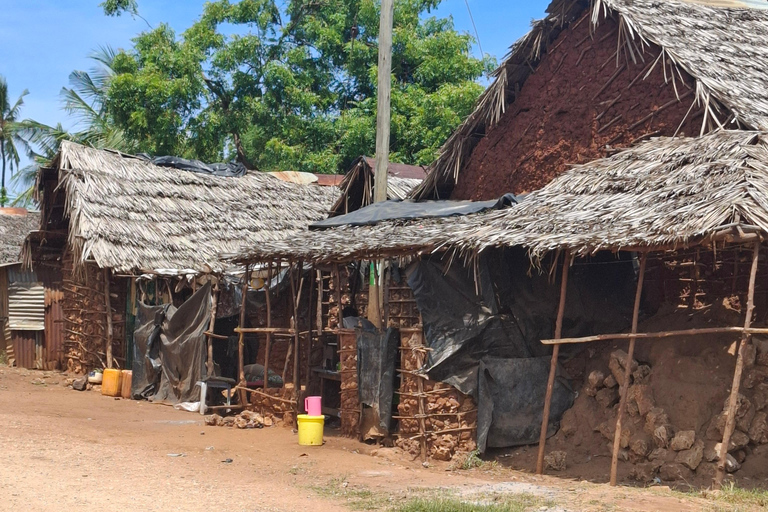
(555, 461)
(691, 458)
(758, 431)
(632, 409)
(712, 451)
(442, 453)
(228, 421)
(80, 384)
(761, 347)
(625, 437)
(683, 440)
(589, 391)
(659, 454)
(716, 427)
(655, 418)
(760, 397)
(738, 440)
(640, 445)
(731, 464)
(750, 355)
(607, 429)
(568, 425)
(610, 381)
(644, 472)
(213, 420)
(744, 411)
(662, 435)
(595, 379)
(241, 422)
(607, 397)
(754, 376)
(618, 364)
(642, 395)
(642, 374)
(740, 456)
(674, 471)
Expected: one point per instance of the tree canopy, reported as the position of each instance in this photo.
(291, 86)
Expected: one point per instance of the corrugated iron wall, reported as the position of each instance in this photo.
(28, 348)
(5, 335)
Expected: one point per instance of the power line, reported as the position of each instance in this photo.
(477, 35)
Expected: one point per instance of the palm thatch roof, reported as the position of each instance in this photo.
(357, 187)
(15, 225)
(129, 215)
(666, 192)
(725, 49)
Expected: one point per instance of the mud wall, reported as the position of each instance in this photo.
(580, 100)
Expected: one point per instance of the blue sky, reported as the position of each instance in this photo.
(43, 41)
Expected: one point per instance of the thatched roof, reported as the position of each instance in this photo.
(665, 192)
(130, 215)
(358, 184)
(724, 49)
(14, 227)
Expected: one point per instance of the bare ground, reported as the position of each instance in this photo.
(64, 450)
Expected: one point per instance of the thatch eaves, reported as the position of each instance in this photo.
(129, 215)
(724, 49)
(663, 193)
(14, 228)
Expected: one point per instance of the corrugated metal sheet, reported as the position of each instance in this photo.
(5, 335)
(26, 306)
(53, 356)
(18, 275)
(28, 348)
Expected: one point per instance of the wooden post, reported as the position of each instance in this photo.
(422, 407)
(627, 372)
(553, 365)
(319, 318)
(309, 325)
(269, 324)
(108, 305)
(730, 420)
(296, 329)
(241, 337)
(214, 303)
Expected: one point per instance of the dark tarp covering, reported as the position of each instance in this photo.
(376, 354)
(233, 170)
(396, 209)
(168, 364)
(511, 398)
(502, 317)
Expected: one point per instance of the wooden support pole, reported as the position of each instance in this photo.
(553, 365)
(269, 324)
(108, 313)
(297, 330)
(214, 304)
(662, 334)
(241, 337)
(730, 420)
(310, 313)
(627, 372)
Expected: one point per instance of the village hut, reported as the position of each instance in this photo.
(596, 76)
(358, 184)
(109, 218)
(22, 298)
(690, 215)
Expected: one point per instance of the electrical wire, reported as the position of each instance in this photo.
(477, 35)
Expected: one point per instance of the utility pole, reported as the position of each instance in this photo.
(382, 143)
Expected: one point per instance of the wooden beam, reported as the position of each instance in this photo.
(241, 337)
(627, 371)
(214, 304)
(661, 334)
(108, 312)
(553, 365)
(269, 324)
(730, 420)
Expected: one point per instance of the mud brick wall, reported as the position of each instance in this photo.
(350, 399)
(449, 419)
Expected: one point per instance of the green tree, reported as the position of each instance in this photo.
(10, 136)
(293, 88)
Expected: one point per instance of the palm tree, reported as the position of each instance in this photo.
(9, 134)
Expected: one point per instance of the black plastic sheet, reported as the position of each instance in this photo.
(168, 364)
(376, 354)
(233, 170)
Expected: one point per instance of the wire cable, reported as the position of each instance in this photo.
(477, 35)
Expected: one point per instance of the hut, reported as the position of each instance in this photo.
(358, 184)
(596, 76)
(22, 300)
(120, 230)
(691, 216)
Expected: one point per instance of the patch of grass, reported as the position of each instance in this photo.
(499, 503)
(3, 358)
(357, 498)
(471, 460)
(742, 499)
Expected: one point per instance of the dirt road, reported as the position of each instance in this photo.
(63, 450)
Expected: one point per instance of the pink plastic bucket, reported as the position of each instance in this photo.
(312, 404)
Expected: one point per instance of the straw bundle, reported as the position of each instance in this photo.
(724, 49)
(130, 215)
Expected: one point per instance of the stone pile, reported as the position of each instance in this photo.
(245, 419)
